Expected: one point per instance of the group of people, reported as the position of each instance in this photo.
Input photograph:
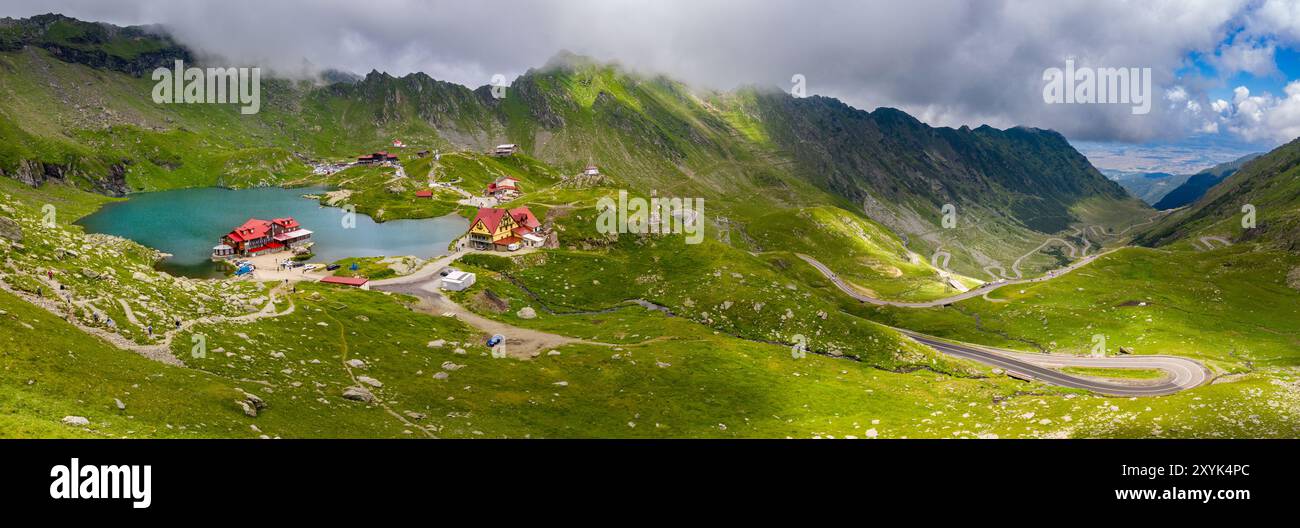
(95, 314)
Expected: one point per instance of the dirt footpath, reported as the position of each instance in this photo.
(521, 343)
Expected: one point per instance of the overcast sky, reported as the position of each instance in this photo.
(1221, 68)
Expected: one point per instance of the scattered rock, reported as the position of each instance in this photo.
(414, 415)
(251, 403)
(249, 410)
(78, 421)
(10, 229)
(370, 381)
(120, 406)
(356, 363)
(358, 394)
(437, 343)
(561, 383)
(142, 277)
(441, 376)
(527, 312)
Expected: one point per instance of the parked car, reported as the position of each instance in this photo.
(332, 267)
(495, 340)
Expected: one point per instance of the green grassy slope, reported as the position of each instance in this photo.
(1270, 184)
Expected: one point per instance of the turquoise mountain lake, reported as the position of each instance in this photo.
(187, 223)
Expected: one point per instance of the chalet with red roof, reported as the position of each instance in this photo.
(505, 229)
(379, 157)
(260, 236)
(355, 282)
(504, 188)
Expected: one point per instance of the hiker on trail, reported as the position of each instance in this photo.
(150, 330)
(49, 274)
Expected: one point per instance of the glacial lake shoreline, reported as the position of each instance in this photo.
(187, 223)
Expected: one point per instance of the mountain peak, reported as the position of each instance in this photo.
(570, 61)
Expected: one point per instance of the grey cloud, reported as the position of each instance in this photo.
(947, 62)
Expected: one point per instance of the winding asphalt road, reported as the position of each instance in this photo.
(1182, 373)
(987, 287)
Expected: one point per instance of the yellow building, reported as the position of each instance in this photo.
(501, 229)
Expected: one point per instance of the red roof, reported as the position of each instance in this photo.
(381, 155)
(491, 218)
(256, 228)
(346, 281)
(525, 218)
(424, 194)
(507, 241)
(250, 230)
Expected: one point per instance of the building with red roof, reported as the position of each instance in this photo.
(377, 158)
(504, 188)
(525, 218)
(502, 229)
(424, 193)
(258, 236)
(356, 282)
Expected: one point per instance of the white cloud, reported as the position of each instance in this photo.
(1176, 94)
(1261, 117)
(1253, 57)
